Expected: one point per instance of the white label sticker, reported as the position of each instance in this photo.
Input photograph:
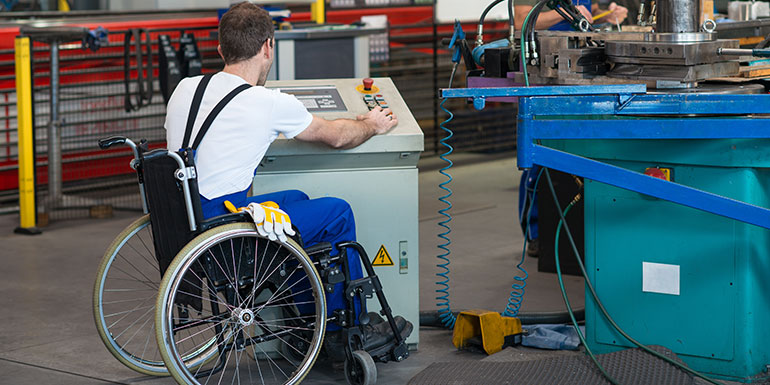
(660, 278)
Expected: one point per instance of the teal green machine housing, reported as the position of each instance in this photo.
(694, 282)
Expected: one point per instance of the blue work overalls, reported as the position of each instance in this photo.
(318, 220)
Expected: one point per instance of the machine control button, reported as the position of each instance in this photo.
(368, 82)
(660, 173)
(367, 87)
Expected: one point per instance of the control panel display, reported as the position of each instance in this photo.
(317, 98)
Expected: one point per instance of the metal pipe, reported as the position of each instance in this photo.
(185, 188)
(678, 16)
(54, 133)
(764, 52)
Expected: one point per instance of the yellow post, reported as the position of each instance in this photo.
(64, 6)
(24, 133)
(317, 11)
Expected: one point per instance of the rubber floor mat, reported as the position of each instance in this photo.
(628, 367)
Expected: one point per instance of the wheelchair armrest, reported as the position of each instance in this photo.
(224, 219)
(323, 247)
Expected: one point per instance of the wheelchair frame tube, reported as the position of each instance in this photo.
(135, 164)
(186, 187)
(377, 286)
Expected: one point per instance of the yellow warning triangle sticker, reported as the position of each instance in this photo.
(382, 258)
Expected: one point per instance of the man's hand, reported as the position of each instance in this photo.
(349, 133)
(619, 13)
(379, 120)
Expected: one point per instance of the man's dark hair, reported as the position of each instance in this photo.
(243, 30)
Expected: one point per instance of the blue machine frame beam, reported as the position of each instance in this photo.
(658, 188)
(583, 112)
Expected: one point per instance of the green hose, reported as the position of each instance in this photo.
(523, 49)
(566, 299)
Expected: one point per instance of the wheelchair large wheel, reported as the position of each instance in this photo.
(125, 292)
(256, 297)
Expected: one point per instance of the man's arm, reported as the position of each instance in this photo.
(348, 133)
(547, 19)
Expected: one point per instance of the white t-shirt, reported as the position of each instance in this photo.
(239, 136)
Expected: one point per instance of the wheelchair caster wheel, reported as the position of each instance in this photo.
(361, 371)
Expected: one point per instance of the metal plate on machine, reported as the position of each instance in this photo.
(317, 98)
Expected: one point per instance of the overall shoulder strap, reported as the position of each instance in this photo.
(213, 114)
(194, 107)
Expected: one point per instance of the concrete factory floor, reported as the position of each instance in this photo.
(47, 335)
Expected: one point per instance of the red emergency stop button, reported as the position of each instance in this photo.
(660, 173)
(368, 82)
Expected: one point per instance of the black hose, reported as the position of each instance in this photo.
(431, 318)
(489, 8)
(564, 15)
(532, 23)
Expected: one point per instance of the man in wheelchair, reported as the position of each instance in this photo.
(240, 118)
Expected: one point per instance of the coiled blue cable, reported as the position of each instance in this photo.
(443, 304)
(517, 288)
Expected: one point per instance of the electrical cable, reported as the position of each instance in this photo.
(445, 311)
(516, 296)
(566, 298)
(595, 296)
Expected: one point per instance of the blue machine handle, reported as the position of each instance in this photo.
(458, 34)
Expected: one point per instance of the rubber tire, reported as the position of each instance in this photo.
(149, 367)
(126, 358)
(195, 248)
(366, 373)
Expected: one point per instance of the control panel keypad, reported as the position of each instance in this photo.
(375, 100)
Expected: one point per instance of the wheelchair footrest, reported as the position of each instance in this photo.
(390, 352)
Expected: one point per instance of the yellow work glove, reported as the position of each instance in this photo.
(271, 221)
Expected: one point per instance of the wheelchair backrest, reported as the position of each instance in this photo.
(166, 203)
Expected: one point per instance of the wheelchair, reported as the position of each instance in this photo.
(212, 301)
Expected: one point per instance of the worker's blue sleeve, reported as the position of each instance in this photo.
(318, 220)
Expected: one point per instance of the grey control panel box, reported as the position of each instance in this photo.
(378, 179)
